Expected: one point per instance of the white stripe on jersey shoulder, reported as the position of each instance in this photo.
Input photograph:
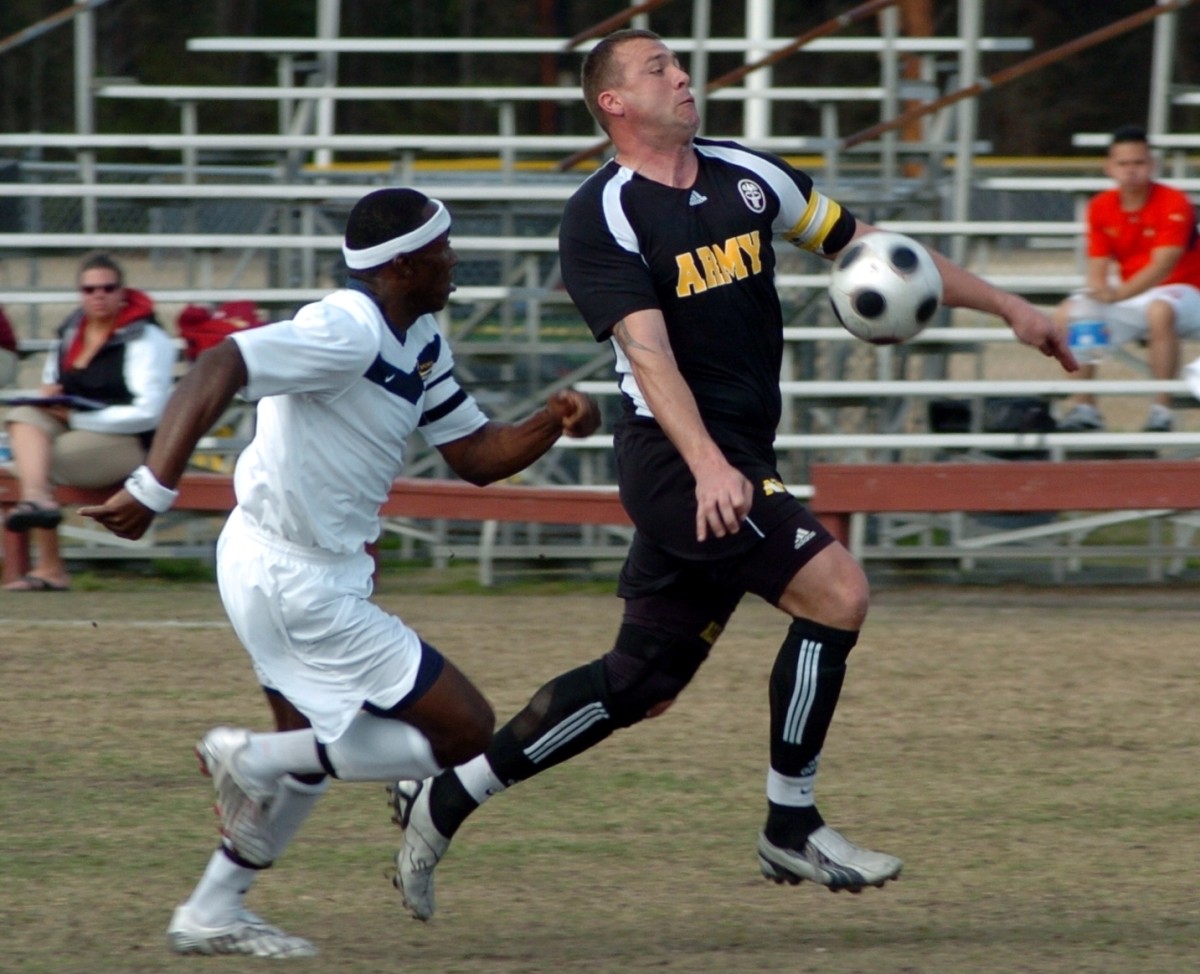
(792, 201)
(802, 221)
(352, 301)
(614, 214)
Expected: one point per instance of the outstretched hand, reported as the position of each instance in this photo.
(578, 413)
(1033, 328)
(122, 515)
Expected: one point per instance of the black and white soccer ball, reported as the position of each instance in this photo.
(885, 288)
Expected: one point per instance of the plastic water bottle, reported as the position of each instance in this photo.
(1087, 334)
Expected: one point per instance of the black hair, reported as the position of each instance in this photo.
(1129, 133)
(99, 260)
(384, 215)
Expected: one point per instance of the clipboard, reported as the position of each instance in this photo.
(74, 402)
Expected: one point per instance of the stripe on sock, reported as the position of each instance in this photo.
(804, 692)
(568, 730)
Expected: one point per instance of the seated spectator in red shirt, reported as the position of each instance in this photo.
(1143, 268)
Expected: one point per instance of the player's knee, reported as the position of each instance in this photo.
(1160, 319)
(851, 603)
(471, 738)
(659, 709)
(831, 589)
(554, 701)
(645, 671)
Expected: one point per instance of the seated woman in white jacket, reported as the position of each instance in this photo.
(111, 350)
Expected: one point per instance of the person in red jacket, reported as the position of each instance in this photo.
(113, 358)
(1144, 269)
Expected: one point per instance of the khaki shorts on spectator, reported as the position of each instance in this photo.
(82, 458)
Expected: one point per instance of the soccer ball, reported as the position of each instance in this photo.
(885, 288)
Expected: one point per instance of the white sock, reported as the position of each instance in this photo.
(292, 805)
(221, 891)
(479, 780)
(269, 757)
(381, 749)
(786, 790)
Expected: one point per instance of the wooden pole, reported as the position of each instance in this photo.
(619, 19)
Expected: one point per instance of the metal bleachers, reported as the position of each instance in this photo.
(203, 214)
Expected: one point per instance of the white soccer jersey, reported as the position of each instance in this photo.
(339, 394)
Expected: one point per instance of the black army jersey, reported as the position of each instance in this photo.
(704, 257)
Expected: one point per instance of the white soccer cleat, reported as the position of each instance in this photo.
(241, 803)
(423, 846)
(246, 934)
(828, 858)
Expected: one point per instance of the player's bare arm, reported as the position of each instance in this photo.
(1097, 276)
(498, 450)
(196, 404)
(962, 289)
(1162, 262)
(723, 494)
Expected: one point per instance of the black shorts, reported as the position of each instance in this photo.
(778, 538)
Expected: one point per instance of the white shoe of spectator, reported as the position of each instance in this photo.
(1081, 418)
(1159, 420)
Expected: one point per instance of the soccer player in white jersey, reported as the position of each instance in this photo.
(668, 251)
(355, 693)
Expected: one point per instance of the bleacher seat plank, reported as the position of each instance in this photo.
(410, 497)
(842, 490)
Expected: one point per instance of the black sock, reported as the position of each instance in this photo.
(449, 803)
(788, 825)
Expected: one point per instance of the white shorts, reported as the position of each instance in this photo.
(1126, 319)
(305, 618)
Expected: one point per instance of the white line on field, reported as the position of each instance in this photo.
(138, 624)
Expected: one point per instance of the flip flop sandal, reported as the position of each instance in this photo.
(26, 515)
(35, 583)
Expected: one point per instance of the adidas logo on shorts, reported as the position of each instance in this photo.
(803, 537)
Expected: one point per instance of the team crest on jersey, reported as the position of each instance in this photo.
(424, 368)
(772, 486)
(752, 195)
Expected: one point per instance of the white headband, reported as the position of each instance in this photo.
(406, 243)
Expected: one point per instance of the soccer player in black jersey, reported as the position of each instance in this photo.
(667, 251)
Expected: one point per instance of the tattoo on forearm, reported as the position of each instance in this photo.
(625, 339)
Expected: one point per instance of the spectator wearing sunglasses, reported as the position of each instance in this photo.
(105, 384)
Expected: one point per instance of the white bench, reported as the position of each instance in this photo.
(527, 191)
(1163, 140)
(550, 45)
(286, 241)
(492, 93)
(384, 143)
(1057, 445)
(1071, 184)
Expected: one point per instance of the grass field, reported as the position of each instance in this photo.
(1031, 755)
